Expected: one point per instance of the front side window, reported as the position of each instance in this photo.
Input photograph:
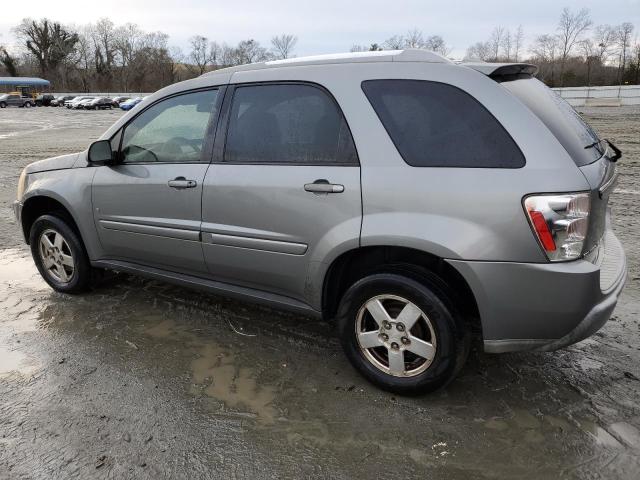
(171, 131)
(433, 124)
(287, 124)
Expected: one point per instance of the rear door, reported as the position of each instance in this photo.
(284, 187)
(147, 207)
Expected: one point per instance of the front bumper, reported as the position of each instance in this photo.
(17, 211)
(526, 306)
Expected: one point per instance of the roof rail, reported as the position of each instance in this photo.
(408, 55)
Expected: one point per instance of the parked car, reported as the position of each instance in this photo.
(414, 202)
(59, 101)
(82, 104)
(129, 104)
(73, 103)
(44, 100)
(100, 103)
(14, 100)
(118, 100)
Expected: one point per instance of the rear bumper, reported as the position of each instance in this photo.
(546, 306)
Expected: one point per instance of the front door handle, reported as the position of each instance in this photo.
(323, 186)
(181, 182)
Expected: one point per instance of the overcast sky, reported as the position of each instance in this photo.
(324, 26)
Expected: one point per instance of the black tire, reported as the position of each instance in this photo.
(3, 105)
(27, 105)
(451, 332)
(81, 275)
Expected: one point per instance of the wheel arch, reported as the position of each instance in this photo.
(357, 263)
(39, 205)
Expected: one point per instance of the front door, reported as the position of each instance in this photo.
(147, 207)
(284, 191)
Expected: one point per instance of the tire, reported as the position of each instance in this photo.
(27, 105)
(3, 105)
(70, 255)
(437, 330)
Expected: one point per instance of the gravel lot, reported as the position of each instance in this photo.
(118, 383)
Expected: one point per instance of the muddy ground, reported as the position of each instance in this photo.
(140, 379)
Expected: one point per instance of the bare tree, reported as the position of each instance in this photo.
(518, 43)
(200, 54)
(414, 39)
(507, 45)
(250, 51)
(495, 42)
(283, 45)
(624, 32)
(545, 50)
(604, 39)
(394, 43)
(479, 51)
(570, 29)
(103, 36)
(436, 43)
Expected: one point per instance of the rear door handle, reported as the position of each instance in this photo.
(181, 182)
(323, 186)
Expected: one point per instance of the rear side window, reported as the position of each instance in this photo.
(287, 124)
(575, 135)
(433, 124)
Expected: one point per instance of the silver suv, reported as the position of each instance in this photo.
(415, 202)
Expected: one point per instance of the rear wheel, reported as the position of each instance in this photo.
(59, 254)
(399, 333)
(27, 105)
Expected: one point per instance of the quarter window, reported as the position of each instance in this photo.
(171, 131)
(287, 124)
(433, 124)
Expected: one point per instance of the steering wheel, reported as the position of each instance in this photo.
(174, 145)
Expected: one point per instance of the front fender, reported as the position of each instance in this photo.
(72, 189)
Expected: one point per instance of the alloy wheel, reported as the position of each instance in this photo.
(395, 336)
(56, 255)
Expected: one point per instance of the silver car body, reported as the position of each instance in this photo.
(252, 231)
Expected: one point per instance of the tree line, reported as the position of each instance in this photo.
(107, 57)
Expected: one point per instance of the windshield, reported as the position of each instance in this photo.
(575, 135)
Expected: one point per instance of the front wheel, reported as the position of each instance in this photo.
(59, 254)
(27, 105)
(3, 105)
(399, 333)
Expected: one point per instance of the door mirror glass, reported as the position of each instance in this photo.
(100, 152)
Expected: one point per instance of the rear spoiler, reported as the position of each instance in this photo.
(502, 72)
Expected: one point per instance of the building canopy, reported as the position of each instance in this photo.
(24, 81)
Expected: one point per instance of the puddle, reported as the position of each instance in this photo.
(163, 329)
(233, 385)
(15, 362)
(216, 372)
(599, 434)
(17, 269)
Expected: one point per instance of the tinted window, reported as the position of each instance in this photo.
(290, 124)
(559, 117)
(172, 130)
(437, 125)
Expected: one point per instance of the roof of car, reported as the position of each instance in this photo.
(408, 55)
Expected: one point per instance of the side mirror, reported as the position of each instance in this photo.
(100, 153)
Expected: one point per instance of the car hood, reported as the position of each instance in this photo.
(56, 163)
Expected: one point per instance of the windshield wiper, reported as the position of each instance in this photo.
(591, 145)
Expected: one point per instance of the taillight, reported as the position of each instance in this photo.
(560, 223)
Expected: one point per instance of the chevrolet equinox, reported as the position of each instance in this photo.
(416, 202)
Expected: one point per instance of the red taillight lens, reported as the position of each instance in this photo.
(560, 222)
(542, 229)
